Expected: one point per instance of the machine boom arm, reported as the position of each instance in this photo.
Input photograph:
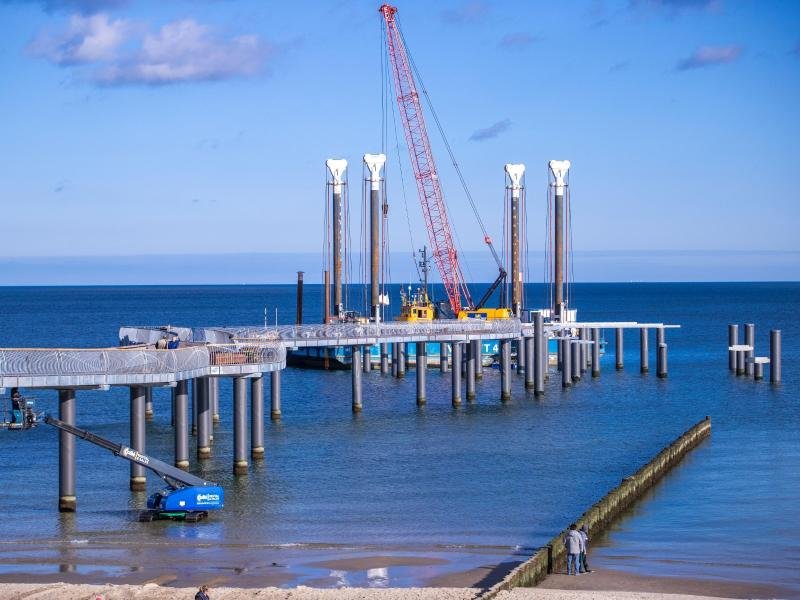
(172, 475)
(430, 191)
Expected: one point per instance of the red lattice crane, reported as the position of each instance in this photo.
(434, 210)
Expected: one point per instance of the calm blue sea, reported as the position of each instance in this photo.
(486, 480)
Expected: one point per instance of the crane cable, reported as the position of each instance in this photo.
(486, 236)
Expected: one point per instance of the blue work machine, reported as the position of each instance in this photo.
(186, 497)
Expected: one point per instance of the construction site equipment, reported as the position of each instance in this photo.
(186, 497)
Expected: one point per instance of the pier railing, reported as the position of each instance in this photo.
(246, 352)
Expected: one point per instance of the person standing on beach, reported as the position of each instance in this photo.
(573, 542)
(202, 593)
(584, 566)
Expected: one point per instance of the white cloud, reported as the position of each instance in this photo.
(709, 56)
(180, 51)
(84, 40)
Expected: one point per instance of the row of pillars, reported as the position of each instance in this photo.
(576, 355)
(205, 412)
(742, 359)
(464, 359)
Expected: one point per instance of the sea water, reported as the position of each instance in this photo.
(485, 480)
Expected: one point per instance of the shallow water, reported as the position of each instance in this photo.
(482, 483)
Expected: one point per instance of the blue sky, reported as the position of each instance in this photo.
(156, 128)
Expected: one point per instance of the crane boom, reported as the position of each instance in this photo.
(430, 191)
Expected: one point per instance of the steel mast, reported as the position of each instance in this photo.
(430, 191)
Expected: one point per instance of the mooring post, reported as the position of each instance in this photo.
(595, 352)
(539, 347)
(401, 359)
(661, 366)
(733, 340)
(213, 384)
(148, 403)
(619, 354)
(384, 358)
(366, 358)
(257, 417)
(505, 370)
(194, 406)
(138, 477)
(530, 361)
(576, 359)
(477, 347)
(240, 464)
(455, 371)
(67, 501)
(181, 392)
(740, 362)
(356, 380)
(775, 356)
(203, 419)
(422, 366)
(470, 371)
(275, 395)
(749, 340)
(758, 370)
(644, 365)
(566, 367)
(443, 357)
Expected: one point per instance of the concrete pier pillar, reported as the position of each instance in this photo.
(67, 501)
(470, 371)
(395, 355)
(275, 395)
(203, 418)
(530, 361)
(443, 357)
(576, 360)
(401, 359)
(356, 379)
(775, 356)
(240, 464)
(749, 340)
(560, 352)
(758, 371)
(148, 404)
(596, 352)
(478, 347)
(422, 366)
(539, 348)
(661, 361)
(194, 406)
(521, 356)
(566, 362)
(384, 358)
(733, 340)
(213, 383)
(619, 350)
(257, 417)
(644, 364)
(455, 371)
(505, 370)
(181, 392)
(366, 358)
(584, 350)
(138, 481)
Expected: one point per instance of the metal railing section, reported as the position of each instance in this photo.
(246, 352)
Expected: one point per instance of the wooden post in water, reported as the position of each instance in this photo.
(275, 395)
(422, 366)
(775, 356)
(240, 463)
(456, 374)
(505, 370)
(355, 369)
(619, 353)
(644, 365)
(257, 417)
(203, 418)
(182, 424)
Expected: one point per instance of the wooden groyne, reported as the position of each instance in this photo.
(552, 556)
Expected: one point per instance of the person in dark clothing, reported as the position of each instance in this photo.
(202, 593)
